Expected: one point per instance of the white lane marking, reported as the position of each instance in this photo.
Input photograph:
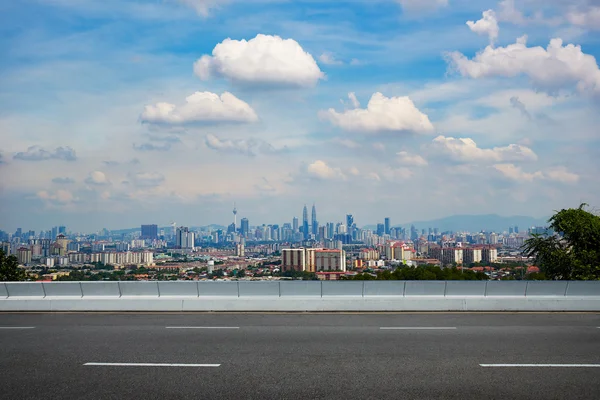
(17, 327)
(541, 365)
(416, 327)
(148, 365)
(202, 327)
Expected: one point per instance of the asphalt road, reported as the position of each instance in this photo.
(299, 356)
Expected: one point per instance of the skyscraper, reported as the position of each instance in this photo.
(380, 229)
(149, 232)
(387, 225)
(305, 231)
(295, 224)
(314, 222)
(349, 220)
(244, 227)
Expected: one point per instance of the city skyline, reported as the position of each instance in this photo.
(120, 113)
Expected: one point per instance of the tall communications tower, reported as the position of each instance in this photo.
(234, 216)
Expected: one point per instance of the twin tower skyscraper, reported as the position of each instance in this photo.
(313, 228)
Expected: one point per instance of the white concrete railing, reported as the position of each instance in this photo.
(302, 296)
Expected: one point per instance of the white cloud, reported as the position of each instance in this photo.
(60, 196)
(422, 5)
(202, 7)
(515, 173)
(200, 107)
(560, 174)
(588, 18)
(383, 114)
(353, 100)
(466, 150)
(320, 170)
(250, 147)
(507, 12)
(350, 144)
(378, 146)
(38, 153)
(97, 178)
(550, 69)
(414, 160)
(487, 25)
(264, 60)
(557, 174)
(148, 179)
(328, 58)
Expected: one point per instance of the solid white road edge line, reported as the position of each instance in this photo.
(148, 365)
(416, 327)
(17, 327)
(202, 327)
(541, 365)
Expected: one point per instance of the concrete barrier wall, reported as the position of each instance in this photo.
(301, 296)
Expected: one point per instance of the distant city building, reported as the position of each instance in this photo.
(293, 260)
(472, 255)
(244, 227)
(387, 225)
(489, 254)
(314, 222)
(305, 228)
(24, 255)
(149, 232)
(380, 229)
(184, 239)
(295, 224)
(330, 260)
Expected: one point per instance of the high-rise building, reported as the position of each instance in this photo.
(184, 238)
(330, 230)
(244, 227)
(380, 229)
(62, 229)
(149, 232)
(305, 229)
(516, 229)
(349, 220)
(295, 224)
(293, 260)
(387, 225)
(24, 255)
(330, 260)
(314, 222)
(414, 234)
(54, 232)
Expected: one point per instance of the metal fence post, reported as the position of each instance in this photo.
(279, 287)
(238, 288)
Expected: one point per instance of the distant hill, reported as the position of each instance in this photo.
(476, 223)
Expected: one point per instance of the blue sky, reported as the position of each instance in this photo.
(118, 113)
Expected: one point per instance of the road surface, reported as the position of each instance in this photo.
(299, 356)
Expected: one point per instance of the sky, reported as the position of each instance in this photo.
(116, 113)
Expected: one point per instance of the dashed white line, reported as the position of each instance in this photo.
(202, 327)
(540, 365)
(17, 327)
(417, 327)
(96, 364)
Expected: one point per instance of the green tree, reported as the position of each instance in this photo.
(574, 251)
(9, 268)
